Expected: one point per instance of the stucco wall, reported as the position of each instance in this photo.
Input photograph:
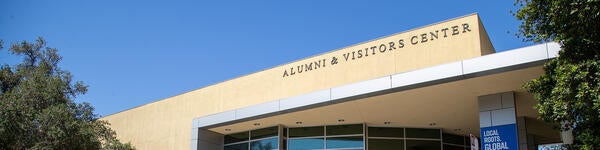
(166, 124)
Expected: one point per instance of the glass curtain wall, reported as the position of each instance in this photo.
(306, 138)
(387, 138)
(260, 139)
(456, 142)
(338, 137)
(345, 137)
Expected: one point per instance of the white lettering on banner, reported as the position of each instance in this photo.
(493, 141)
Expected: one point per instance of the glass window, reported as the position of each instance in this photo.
(306, 131)
(452, 147)
(284, 144)
(306, 144)
(423, 145)
(345, 129)
(265, 144)
(236, 137)
(240, 146)
(386, 144)
(344, 142)
(453, 139)
(386, 132)
(263, 133)
(422, 133)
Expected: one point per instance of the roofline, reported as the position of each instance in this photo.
(302, 59)
(505, 61)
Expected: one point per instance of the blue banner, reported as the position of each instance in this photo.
(502, 137)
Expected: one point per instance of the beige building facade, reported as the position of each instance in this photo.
(442, 79)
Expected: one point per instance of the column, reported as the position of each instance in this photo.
(203, 139)
(497, 121)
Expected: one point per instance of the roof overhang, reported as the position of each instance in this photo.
(443, 96)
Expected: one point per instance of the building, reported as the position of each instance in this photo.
(427, 88)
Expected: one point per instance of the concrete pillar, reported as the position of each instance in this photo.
(497, 121)
(526, 141)
(203, 139)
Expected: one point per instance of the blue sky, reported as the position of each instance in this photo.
(135, 52)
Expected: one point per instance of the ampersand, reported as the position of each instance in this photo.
(334, 61)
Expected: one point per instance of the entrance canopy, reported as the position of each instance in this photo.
(443, 96)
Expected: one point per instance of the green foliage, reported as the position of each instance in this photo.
(569, 91)
(37, 110)
(573, 23)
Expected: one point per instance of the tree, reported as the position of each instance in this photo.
(37, 110)
(569, 91)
